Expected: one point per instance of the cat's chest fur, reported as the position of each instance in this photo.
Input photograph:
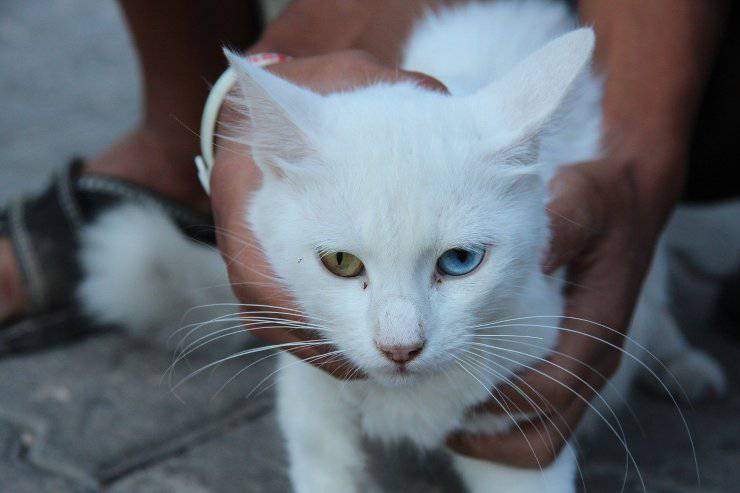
(423, 413)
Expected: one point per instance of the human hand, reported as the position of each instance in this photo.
(235, 177)
(605, 220)
(606, 216)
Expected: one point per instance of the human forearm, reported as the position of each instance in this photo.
(656, 56)
(606, 215)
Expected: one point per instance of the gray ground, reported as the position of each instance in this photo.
(96, 416)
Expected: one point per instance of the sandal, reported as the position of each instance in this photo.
(45, 234)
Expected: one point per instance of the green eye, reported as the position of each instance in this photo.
(342, 264)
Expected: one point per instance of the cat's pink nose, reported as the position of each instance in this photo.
(402, 354)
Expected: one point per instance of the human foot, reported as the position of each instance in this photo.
(13, 299)
(161, 163)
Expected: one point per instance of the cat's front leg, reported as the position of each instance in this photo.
(488, 477)
(321, 431)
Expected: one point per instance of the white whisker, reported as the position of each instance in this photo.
(607, 381)
(541, 412)
(621, 437)
(308, 360)
(628, 354)
(247, 352)
(497, 401)
(525, 416)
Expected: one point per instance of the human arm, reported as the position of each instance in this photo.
(606, 216)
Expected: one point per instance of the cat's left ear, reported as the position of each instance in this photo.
(281, 118)
(525, 99)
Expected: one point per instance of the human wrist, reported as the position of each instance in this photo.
(646, 179)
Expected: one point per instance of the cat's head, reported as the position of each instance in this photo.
(400, 217)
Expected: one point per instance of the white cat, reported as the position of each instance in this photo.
(402, 219)
(427, 212)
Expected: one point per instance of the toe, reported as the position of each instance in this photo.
(13, 299)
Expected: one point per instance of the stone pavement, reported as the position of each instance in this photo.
(97, 415)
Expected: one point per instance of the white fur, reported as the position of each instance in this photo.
(485, 477)
(134, 262)
(397, 175)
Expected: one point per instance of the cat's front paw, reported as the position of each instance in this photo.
(322, 478)
(322, 483)
(487, 477)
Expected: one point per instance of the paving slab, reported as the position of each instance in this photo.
(17, 475)
(250, 457)
(95, 410)
(246, 458)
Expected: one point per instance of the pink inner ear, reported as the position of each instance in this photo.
(277, 113)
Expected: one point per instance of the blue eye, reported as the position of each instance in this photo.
(460, 261)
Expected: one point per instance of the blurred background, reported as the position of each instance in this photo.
(99, 414)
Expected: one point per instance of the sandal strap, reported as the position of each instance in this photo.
(98, 193)
(45, 230)
(26, 255)
(129, 192)
(42, 230)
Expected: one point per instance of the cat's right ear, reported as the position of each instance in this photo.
(527, 97)
(281, 118)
